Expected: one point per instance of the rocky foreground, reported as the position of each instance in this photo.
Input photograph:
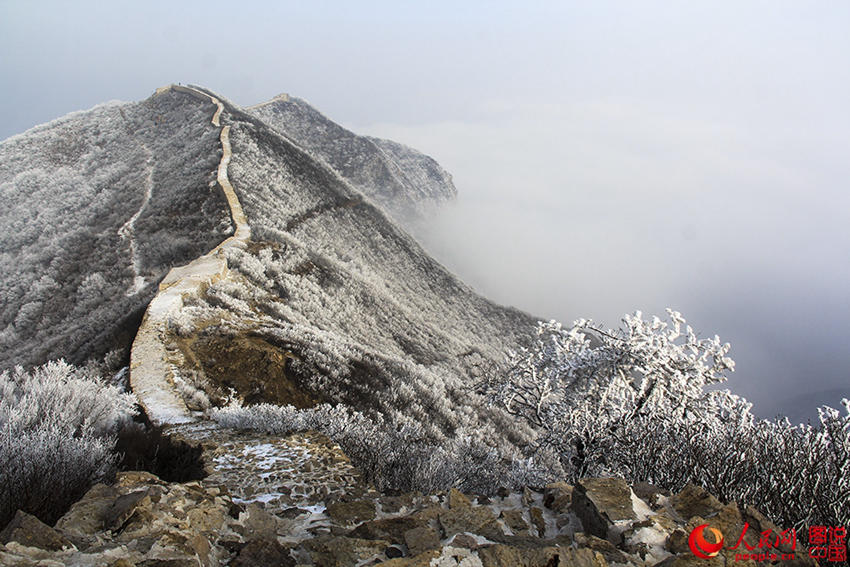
(297, 500)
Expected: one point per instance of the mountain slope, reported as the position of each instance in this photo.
(98, 205)
(329, 301)
(404, 182)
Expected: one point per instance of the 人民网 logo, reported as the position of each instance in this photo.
(700, 546)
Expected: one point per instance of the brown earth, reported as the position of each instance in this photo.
(255, 369)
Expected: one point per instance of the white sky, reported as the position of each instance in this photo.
(610, 156)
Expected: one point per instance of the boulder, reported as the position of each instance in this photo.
(507, 556)
(339, 551)
(694, 501)
(421, 539)
(32, 532)
(85, 518)
(515, 521)
(263, 552)
(389, 529)
(601, 502)
(349, 513)
(538, 520)
(558, 496)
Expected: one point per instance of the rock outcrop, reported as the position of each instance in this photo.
(296, 500)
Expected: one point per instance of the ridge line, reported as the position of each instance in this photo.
(152, 375)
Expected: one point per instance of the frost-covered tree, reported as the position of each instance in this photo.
(589, 381)
(635, 402)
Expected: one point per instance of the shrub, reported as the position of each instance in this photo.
(57, 431)
(633, 402)
(394, 455)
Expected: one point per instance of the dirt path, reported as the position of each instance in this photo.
(128, 229)
(151, 373)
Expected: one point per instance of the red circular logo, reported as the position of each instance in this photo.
(700, 546)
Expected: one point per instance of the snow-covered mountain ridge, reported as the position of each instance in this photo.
(329, 300)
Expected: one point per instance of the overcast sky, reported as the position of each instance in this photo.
(610, 156)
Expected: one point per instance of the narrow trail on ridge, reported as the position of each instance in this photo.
(151, 374)
(128, 229)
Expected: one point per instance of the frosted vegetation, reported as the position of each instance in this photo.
(401, 180)
(406, 363)
(633, 402)
(57, 431)
(75, 273)
(369, 318)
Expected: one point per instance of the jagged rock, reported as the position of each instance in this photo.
(393, 551)
(538, 520)
(123, 507)
(421, 539)
(348, 513)
(263, 552)
(32, 532)
(608, 550)
(649, 493)
(506, 556)
(342, 551)
(600, 502)
(390, 529)
(695, 501)
(85, 518)
(515, 521)
(475, 520)
(558, 496)
(458, 500)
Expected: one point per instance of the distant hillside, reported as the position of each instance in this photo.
(404, 182)
(97, 206)
(331, 300)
